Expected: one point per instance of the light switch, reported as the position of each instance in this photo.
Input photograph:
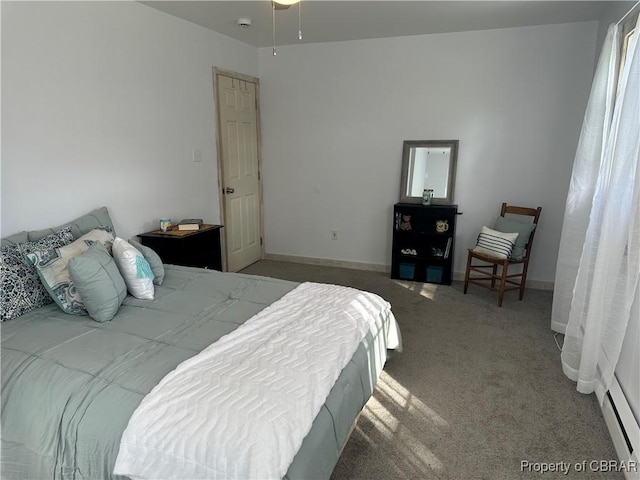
(197, 155)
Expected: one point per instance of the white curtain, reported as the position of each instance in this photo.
(598, 266)
(586, 166)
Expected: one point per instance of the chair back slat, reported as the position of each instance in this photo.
(530, 212)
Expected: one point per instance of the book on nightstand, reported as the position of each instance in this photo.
(190, 224)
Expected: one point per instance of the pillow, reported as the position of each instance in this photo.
(98, 218)
(98, 282)
(20, 237)
(523, 229)
(135, 270)
(52, 267)
(20, 288)
(154, 261)
(495, 244)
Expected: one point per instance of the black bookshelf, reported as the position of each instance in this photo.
(423, 242)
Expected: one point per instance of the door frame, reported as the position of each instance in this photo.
(255, 80)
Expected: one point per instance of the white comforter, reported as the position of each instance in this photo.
(241, 408)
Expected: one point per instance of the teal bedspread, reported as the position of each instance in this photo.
(70, 385)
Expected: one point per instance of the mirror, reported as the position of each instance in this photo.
(428, 164)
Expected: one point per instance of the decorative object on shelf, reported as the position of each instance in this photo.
(190, 224)
(442, 226)
(165, 224)
(406, 222)
(437, 252)
(409, 251)
(427, 195)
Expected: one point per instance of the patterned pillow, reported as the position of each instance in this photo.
(155, 262)
(52, 267)
(21, 289)
(495, 244)
(135, 270)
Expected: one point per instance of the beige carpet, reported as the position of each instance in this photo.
(477, 391)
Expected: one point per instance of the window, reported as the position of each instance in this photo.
(628, 32)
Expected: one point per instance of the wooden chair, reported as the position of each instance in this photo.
(489, 267)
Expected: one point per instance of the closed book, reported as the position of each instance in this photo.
(448, 249)
(190, 224)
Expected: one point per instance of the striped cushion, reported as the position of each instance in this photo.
(495, 244)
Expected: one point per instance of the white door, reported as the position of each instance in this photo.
(239, 170)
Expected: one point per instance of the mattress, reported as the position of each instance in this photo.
(70, 385)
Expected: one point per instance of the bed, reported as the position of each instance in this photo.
(72, 387)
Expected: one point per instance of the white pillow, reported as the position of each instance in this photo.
(495, 244)
(135, 270)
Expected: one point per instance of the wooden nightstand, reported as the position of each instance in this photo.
(195, 248)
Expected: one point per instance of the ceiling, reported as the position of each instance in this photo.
(338, 20)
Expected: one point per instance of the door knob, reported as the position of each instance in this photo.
(229, 190)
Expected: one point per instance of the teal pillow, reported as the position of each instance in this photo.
(20, 237)
(53, 269)
(98, 281)
(154, 261)
(98, 218)
(522, 229)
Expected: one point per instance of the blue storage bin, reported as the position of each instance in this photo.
(407, 271)
(434, 274)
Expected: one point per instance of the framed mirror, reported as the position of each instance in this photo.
(428, 164)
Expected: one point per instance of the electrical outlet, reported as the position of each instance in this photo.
(334, 234)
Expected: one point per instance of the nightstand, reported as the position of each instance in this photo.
(190, 248)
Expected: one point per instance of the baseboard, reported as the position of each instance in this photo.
(624, 430)
(329, 262)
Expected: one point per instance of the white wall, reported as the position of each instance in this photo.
(334, 116)
(102, 104)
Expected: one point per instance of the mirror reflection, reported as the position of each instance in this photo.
(428, 165)
(429, 168)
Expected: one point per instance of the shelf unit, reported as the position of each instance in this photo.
(420, 252)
